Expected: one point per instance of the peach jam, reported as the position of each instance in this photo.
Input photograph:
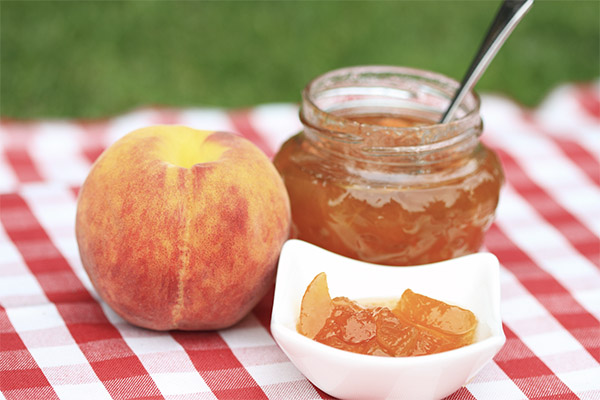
(414, 325)
(374, 177)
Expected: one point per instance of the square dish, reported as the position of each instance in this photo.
(470, 282)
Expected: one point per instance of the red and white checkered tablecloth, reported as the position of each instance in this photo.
(59, 340)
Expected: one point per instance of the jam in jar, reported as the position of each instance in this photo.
(374, 176)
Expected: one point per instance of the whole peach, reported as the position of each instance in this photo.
(181, 229)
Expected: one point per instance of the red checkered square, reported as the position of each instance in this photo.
(198, 341)
(118, 368)
(83, 333)
(63, 287)
(10, 341)
(105, 349)
(14, 379)
(88, 312)
(31, 392)
(215, 359)
(524, 367)
(589, 338)
(16, 360)
(132, 387)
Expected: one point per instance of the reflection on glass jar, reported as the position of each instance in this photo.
(372, 176)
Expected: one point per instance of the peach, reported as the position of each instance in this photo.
(181, 229)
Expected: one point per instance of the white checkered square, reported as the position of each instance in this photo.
(57, 336)
(499, 390)
(20, 290)
(276, 122)
(57, 153)
(568, 361)
(270, 374)
(249, 332)
(175, 383)
(162, 343)
(167, 362)
(9, 256)
(523, 307)
(553, 342)
(211, 119)
(88, 391)
(34, 317)
(58, 355)
(76, 374)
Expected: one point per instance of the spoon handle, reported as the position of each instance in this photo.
(509, 15)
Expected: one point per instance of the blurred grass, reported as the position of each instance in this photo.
(96, 58)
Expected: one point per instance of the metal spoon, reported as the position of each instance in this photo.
(509, 15)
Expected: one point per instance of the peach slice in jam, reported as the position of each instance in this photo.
(316, 306)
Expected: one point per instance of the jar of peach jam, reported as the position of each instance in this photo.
(374, 176)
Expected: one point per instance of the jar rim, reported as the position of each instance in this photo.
(435, 85)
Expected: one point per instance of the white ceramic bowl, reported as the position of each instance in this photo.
(471, 282)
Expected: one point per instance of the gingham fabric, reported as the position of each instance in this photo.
(59, 340)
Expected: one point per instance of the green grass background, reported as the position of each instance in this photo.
(91, 59)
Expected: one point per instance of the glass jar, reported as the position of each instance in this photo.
(374, 176)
